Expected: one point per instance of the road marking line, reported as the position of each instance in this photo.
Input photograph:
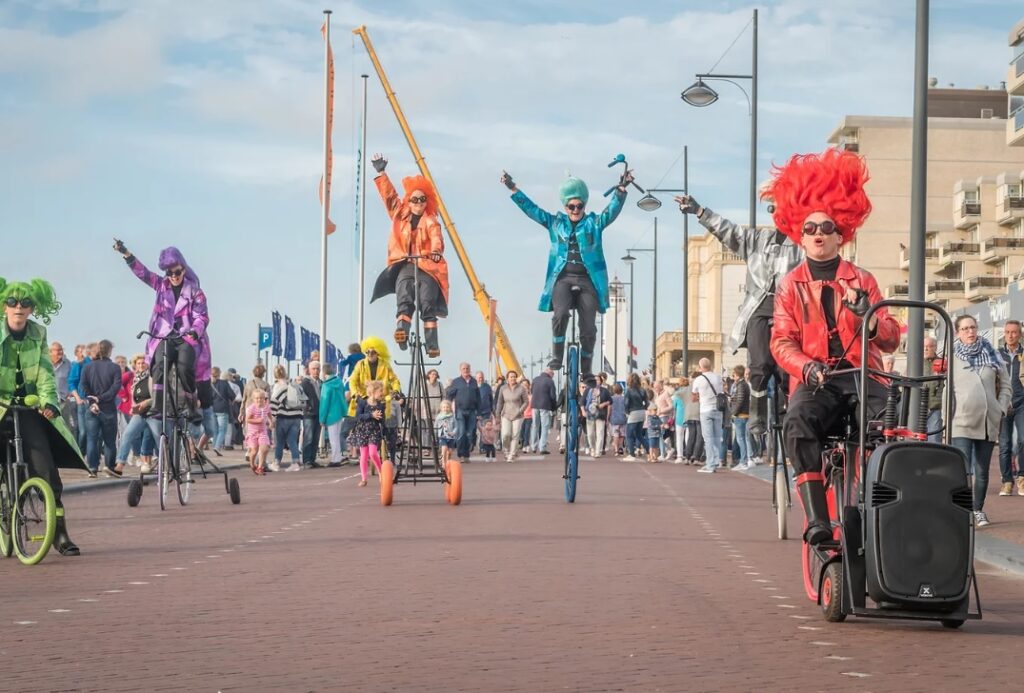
(809, 627)
(785, 606)
(24, 623)
(254, 541)
(88, 600)
(856, 674)
(839, 658)
(751, 573)
(770, 588)
(822, 643)
(138, 582)
(266, 536)
(196, 562)
(213, 556)
(113, 591)
(60, 611)
(761, 580)
(802, 618)
(158, 575)
(778, 596)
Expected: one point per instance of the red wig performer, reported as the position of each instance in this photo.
(820, 203)
(415, 232)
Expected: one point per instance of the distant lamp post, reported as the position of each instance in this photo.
(650, 203)
(630, 260)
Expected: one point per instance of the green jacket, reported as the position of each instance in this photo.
(39, 380)
(933, 389)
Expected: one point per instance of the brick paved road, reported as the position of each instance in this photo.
(659, 578)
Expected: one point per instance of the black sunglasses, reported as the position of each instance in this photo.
(827, 227)
(418, 199)
(175, 273)
(13, 302)
(572, 207)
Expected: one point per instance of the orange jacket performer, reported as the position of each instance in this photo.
(417, 272)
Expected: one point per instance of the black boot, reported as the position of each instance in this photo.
(758, 422)
(812, 497)
(430, 337)
(61, 540)
(557, 354)
(402, 332)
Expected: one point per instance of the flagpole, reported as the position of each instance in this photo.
(327, 173)
(362, 217)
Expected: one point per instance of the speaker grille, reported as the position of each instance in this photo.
(882, 494)
(963, 498)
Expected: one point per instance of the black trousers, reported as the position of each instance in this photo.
(35, 445)
(181, 353)
(694, 441)
(584, 302)
(405, 294)
(759, 353)
(815, 413)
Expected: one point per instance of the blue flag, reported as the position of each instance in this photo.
(305, 344)
(289, 339)
(331, 354)
(275, 319)
(266, 337)
(314, 342)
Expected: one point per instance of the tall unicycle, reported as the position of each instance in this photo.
(572, 422)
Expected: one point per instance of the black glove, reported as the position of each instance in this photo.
(811, 372)
(119, 246)
(379, 163)
(860, 305)
(507, 181)
(688, 205)
(625, 179)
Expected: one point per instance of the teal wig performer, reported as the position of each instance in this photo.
(577, 276)
(26, 375)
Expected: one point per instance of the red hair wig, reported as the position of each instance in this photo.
(831, 182)
(413, 183)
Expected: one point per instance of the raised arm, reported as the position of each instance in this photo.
(612, 209)
(531, 210)
(388, 195)
(738, 239)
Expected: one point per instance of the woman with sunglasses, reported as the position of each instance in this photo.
(577, 275)
(819, 314)
(25, 370)
(180, 308)
(415, 232)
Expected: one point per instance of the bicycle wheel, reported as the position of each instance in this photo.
(572, 419)
(34, 521)
(781, 491)
(6, 513)
(162, 471)
(183, 465)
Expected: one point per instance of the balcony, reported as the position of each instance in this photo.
(1015, 128)
(1010, 210)
(931, 255)
(967, 215)
(1015, 76)
(993, 250)
(957, 251)
(897, 291)
(981, 288)
(952, 288)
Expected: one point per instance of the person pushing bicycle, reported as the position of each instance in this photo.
(769, 255)
(576, 263)
(25, 374)
(819, 315)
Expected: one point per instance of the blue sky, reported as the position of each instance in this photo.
(198, 124)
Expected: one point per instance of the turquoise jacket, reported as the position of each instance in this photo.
(589, 232)
(332, 401)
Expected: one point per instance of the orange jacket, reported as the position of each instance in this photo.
(403, 242)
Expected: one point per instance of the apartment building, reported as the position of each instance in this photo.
(1015, 88)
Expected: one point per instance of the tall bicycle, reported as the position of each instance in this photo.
(571, 384)
(418, 459)
(177, 451)
(28, 509)
(782, 499)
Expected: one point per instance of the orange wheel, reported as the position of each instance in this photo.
(447, 486)
(387, 482)
(454, 494)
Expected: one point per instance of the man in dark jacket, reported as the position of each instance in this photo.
(544, 400)
(311, 415)
(465, 396)
(486, 410)
(100, 383)
(739, 407)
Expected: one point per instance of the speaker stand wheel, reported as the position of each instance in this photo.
(832, 593)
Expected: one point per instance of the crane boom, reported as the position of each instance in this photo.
(480, 295)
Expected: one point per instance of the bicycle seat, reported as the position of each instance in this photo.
(575, 289)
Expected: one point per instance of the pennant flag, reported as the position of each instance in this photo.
(608, 368)
(275, 318)
(325, 197)
(266, 337)
(289, 339)
(305, 344)
(632, 347)
(314, 342)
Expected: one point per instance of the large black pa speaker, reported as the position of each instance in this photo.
(919, 542)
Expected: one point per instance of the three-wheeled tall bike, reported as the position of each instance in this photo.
(900, 506)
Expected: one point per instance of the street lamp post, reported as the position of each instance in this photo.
(629, 259)
(615, 289)
(700, 94)
(650, 203)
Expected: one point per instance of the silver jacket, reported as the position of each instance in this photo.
(767, 262)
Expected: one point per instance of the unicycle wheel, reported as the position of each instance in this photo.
(34, 521)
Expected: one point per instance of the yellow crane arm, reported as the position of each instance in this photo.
(480, 295)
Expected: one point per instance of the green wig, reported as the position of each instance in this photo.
(39, 290)
(572, 188)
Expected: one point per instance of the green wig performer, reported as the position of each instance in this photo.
(26, 375)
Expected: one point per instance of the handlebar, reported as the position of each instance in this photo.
(621, 159)
(146, 333)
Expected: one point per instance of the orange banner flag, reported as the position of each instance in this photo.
(325, 200)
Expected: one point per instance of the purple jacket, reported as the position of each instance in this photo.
(189, 310)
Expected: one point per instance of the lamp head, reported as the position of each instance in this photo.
(699, 94)
(628, 258)
(648, 203)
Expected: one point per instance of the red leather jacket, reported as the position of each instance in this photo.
(799, 334)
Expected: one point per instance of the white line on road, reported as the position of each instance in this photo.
(856, 674)
(839, 658)
(24, 623)
(60, 611)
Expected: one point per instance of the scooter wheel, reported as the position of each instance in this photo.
(832, 593)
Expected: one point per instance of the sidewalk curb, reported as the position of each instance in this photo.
(86, 486)
(993, 551)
